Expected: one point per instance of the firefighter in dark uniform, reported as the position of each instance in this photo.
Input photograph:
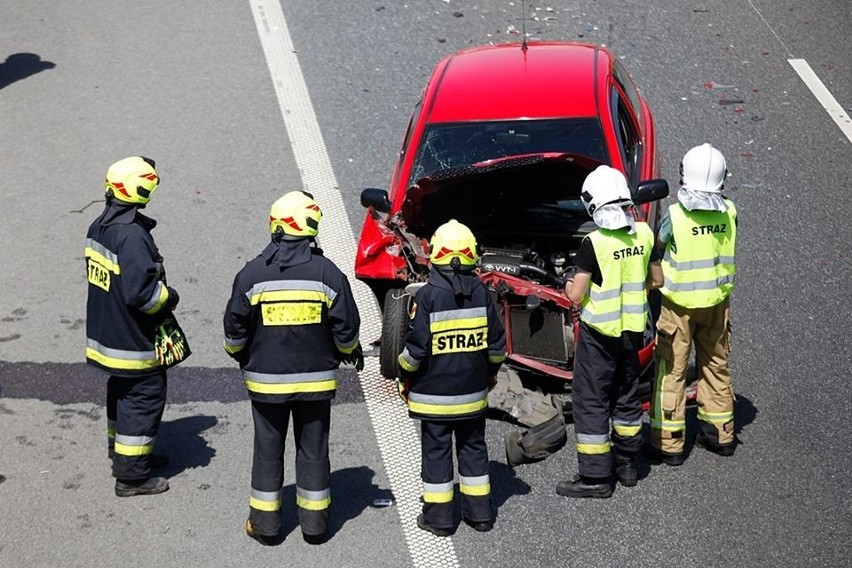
(454, 346)
(128, 301)
(290, 322)
(698, 235)
(615, 265)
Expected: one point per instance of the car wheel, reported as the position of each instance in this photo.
(395, 318)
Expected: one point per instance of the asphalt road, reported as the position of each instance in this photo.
(188, 84)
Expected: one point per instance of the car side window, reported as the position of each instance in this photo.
(628, 136)
(411, 122)
(622, 78)
(406, 140)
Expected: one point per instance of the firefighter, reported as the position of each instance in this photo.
(615, 265)
(290, 322)
(128, 303)
(698, 235)
(453, 349)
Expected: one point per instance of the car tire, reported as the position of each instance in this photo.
(395, 318)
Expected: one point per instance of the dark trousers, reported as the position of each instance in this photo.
(606, 390)
(134, 410)
(436, 441)
(311, 421)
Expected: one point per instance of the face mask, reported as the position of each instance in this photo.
(614, 216)
(701, 200)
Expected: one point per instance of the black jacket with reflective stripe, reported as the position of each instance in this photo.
(127, 292)
(290, 319)
(455, 342)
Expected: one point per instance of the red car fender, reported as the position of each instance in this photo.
(372, 260)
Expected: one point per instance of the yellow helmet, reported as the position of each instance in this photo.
(297, 214)
(132, 180)
(453, 240)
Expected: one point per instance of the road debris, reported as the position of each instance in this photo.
(715, 85)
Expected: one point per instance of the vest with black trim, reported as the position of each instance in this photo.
(289, 326)
(698, 264)
(620, 302)
(455, 342)
(127, 293)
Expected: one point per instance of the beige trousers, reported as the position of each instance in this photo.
(709, 329)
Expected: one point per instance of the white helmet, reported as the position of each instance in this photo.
(703, 168)
(603, 186)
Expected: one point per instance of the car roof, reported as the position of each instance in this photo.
(505, 81)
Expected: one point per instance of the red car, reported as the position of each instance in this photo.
(501, 140)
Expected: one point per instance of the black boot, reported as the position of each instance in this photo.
(315, 538)
(479, 526)
(437, 531)
(150, 486)
(265, 540)
(625, 469)
(725, 451)
(585, 487)
(659, 456)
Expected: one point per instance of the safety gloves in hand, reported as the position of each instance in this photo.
(170, 343)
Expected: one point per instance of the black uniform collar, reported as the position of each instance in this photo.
(287, 253)
(459, 282)
(120, 213)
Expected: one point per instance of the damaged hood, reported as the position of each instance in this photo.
(489, 193)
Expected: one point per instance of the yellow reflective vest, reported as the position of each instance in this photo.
(619, 303)
(698, 264)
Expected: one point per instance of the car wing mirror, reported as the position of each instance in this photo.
(651, 190)
(376, 198)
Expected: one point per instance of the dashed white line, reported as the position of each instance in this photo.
(395, 433)
(823, 95)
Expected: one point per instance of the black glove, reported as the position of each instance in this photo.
(355, 358)
(174, 298)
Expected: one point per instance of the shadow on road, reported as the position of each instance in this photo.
(352, 491)
(20, 66)
(182, 441)
(505, 483)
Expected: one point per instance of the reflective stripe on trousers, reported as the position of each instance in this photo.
(265, 500)
(475, 486)
(134, 411)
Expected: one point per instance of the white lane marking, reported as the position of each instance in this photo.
(823, 95)
(806, 74)
(395, 433)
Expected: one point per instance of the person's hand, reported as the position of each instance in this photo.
(173, 299)
(403, 387)
(355, 358)
(575, 310)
